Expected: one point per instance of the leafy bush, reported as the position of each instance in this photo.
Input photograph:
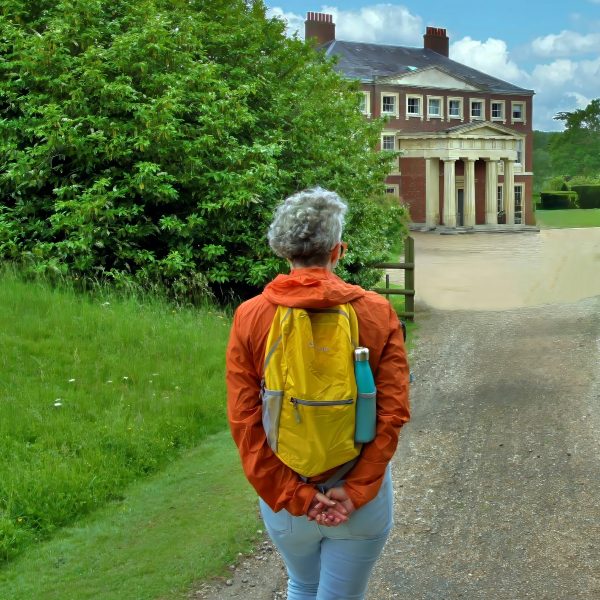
(558, 200)
(556, 184)
(150, 140)
(589, 195)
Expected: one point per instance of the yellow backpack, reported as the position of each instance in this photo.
(309, 388)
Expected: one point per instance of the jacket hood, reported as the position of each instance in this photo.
(312, 287)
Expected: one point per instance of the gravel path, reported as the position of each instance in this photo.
(497, 487)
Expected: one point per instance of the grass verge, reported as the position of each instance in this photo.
(94, 393)
(172, 528)
(589, 217)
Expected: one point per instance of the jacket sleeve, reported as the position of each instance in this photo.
(391, 381)
(275, 483)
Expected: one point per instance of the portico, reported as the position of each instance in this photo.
(452, 198)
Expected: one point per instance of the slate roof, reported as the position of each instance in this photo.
(370, 62)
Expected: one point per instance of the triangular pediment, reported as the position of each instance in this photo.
(483, 129)
(430, 77)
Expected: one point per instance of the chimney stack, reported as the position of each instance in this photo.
(319, 26)
(435, 39)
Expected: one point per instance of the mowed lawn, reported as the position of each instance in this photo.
(96, 392)
(589, 217)
(118, 477)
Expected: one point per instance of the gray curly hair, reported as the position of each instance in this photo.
(307, 225)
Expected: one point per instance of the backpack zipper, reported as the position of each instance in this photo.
(297, 401)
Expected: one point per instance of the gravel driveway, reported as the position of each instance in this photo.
(497, 476)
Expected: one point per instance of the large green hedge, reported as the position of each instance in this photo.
(149, 140)
(558, 200)
(588, 195)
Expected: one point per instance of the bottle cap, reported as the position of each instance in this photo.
(361, 354)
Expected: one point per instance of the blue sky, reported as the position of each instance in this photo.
(550, 47)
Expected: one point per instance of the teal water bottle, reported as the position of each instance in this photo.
(366, 415)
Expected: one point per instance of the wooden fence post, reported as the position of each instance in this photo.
(408, 266)
(409, 274)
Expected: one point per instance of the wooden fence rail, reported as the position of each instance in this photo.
(409, 279)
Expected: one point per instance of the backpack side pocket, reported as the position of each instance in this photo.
(271, 414)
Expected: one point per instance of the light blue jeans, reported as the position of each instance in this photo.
(332, 563)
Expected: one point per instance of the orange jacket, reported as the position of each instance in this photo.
(379, 330)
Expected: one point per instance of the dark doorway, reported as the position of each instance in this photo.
(460, 207)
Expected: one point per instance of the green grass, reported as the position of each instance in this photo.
(589, 217)
(130, 489)
(173, 528)
(94, 393)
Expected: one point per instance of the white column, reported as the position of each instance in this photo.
(469, 206)
(491, 192)
(449, 194)
(432, 192)
(509, 191)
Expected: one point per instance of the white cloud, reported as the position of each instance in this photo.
(294, 22)
(555, 74)
(566, 43)
(491, 57)
(377, 23)
(581, 101)
(563, 85)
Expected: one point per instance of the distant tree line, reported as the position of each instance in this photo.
(148, 141)
(567, 163)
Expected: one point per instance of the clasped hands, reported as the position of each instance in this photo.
(332, 508)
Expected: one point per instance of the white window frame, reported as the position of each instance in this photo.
(523, 117)
(461, 113)
(388, 134)
(418, 97)
(520, 163)
(396, 97)
(440, 100)
(367, 104)
(473, 101)
(519, 213)
(500, 198)
(392, 186)
(502, 117)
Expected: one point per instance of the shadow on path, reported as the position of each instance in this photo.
(496, 475)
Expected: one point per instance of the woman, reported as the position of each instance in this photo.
(329, 541)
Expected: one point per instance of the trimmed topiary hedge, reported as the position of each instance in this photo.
(588, 195)
(558, 200)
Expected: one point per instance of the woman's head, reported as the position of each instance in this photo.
(307, 226)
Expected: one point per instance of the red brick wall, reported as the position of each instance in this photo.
(415, 124)
(412, 187)
(412, 182)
